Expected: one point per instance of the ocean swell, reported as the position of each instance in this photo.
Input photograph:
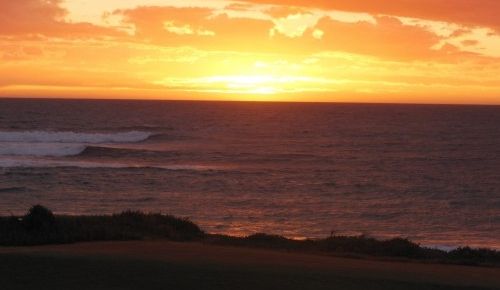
(33, 162)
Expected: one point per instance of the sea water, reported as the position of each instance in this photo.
(425, 172)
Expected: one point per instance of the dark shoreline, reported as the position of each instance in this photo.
(40, 227)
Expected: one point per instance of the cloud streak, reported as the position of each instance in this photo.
(475, 13)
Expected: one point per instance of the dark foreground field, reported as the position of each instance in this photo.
(188, 265)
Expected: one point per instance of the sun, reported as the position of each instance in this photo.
(264, 91)
(262, 87)
(245, 84)
(256, 84)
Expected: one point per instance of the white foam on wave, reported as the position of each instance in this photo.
(41, 149)
(73, 137)
(26, 162)
(60, 144)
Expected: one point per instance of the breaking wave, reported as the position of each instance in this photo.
(41, 149)
(73, 137)
(60, 144)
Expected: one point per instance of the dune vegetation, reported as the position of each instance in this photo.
(39, 226)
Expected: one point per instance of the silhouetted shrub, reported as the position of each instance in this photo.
(400, 247)
(265, 238)
(40, 226)
(39, 218)
(467, 255)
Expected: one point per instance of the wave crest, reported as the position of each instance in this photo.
(60, 144)
(73, 137)
(41, 149)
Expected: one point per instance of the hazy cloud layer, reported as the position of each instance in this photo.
(364, 49)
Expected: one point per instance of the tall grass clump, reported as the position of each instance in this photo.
(40, 226)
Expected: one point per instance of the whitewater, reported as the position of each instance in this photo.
(60, 144)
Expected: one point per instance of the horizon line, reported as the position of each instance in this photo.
(58, 98)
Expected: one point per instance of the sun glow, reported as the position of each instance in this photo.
(247, 84)
(262, 84)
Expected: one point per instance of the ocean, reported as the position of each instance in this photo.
(430, 173)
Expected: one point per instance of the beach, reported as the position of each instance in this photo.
(172, 265)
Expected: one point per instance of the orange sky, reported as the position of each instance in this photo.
(416, 51)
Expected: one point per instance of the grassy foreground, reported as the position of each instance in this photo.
(20, 271)
(39, 226)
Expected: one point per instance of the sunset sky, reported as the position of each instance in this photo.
(411, 51)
